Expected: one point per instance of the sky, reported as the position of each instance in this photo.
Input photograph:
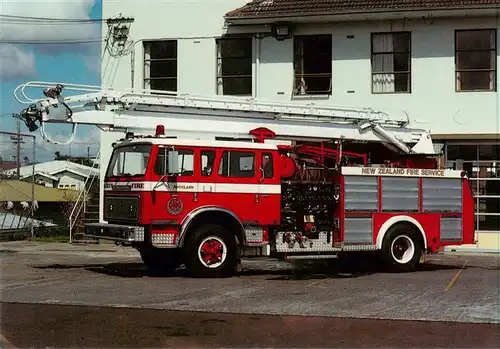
(31, 49)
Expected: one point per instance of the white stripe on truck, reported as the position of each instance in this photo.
(194, 187)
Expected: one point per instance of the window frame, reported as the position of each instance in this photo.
(493, 50)
(214, 161)
(267, 176)
(219, 77)
(231, 176)
(117, 161)
(163, 151)
(147, 64)
(393, 53)
(296, 57)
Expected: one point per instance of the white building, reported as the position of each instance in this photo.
(438, 62)
(58, 174)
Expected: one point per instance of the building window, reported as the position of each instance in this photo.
(234, 66)
(160, 65)
(237, 164)
(475, 60)
(312, 65)
(391, 62)
(482, 163)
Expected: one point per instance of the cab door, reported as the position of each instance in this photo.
(176, 195)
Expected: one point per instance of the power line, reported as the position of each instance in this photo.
(38, 23)
(51, 19)
(52, 42)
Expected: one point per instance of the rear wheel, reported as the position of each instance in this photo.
(402, 248)
(159, 260)
(210, 251)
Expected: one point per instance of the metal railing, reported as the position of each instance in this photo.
(81, 200)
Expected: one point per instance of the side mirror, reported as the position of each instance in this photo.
(173, 162)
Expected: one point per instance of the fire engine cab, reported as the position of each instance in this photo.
(285, 181)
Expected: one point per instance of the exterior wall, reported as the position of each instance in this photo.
(433, 99)
(48, 182)
(194, 24)
(70, 179)
(107, 138)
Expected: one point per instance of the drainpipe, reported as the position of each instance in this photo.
(257, 65)
(132, 68)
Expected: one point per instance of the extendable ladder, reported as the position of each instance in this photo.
(218, 115)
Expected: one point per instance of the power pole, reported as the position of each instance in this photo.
(18, 140)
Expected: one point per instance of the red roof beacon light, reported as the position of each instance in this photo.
(160, 131)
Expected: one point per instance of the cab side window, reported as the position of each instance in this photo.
(237, 164)
(207, 160)
(186, 162)
(267, 165)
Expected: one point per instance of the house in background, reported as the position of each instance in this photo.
(58, 174)
(7, 165)
(16, 199)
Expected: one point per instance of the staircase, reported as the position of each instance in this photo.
(90, 210)
(85, 210)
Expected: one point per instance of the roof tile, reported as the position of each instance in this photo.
(268, 8)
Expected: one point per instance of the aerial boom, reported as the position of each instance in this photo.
(123, 110)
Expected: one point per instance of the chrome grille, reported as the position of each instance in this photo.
(121, 208)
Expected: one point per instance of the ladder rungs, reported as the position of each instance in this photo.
(312, 111)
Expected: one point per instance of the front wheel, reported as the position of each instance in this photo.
(402, 248)
(210, 251)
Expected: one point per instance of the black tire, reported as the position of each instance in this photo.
(195, 264)
(160, 260)
(402, 235)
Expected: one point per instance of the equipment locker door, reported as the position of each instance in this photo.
(269, 204)
(238, 184)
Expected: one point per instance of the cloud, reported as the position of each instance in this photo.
(87, 136)
(15, 63)
(93, 62)
(16, 29)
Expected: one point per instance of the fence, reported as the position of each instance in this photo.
(17, 202)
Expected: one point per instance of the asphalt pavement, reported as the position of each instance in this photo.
(61, 295)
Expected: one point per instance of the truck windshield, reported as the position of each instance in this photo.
(129, 161)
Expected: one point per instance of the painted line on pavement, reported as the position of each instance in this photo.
(455, 278)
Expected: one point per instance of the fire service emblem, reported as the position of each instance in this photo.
(175, 206)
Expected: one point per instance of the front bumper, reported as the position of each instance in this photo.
(115, 232)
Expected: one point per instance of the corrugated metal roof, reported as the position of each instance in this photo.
(9, 221)
(56, 166)
(7, 165)
(14, 190)
(275, 8)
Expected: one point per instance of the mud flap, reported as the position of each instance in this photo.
(237, 266)
(423, 257)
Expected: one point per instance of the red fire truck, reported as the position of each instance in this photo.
(221, 178)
